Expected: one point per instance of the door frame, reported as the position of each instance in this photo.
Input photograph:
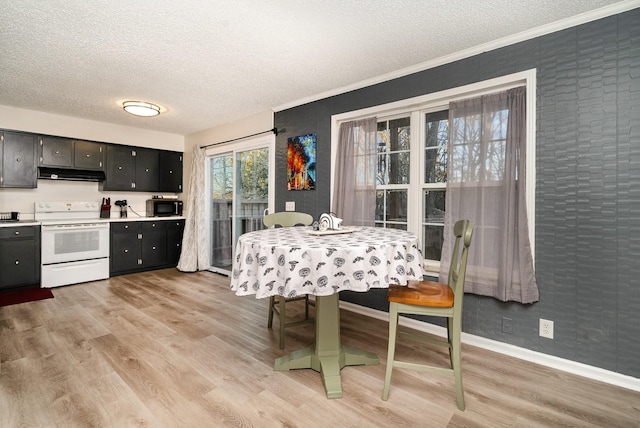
(266, 141)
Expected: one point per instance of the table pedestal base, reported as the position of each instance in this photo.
(327, 356)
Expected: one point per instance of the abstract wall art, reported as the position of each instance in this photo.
(301, 162)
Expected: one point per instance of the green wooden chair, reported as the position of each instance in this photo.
(277, 304)
(433, 299)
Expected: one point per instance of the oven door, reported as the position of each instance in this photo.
(74, 242)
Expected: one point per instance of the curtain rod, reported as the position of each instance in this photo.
(274, 130)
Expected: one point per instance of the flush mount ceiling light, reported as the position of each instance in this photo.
(140, 108)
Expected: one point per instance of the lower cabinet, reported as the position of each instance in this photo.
(19, 257)
(138, 246)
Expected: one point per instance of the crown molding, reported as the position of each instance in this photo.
(553, 27)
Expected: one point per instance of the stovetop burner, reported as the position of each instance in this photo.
(66, 211)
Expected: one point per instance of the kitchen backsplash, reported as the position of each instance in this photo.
(23, 200)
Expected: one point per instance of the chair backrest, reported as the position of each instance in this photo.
(287, 219)
(463, 229)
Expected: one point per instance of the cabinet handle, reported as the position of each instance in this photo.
(126, 226)
(17, 262)
(126, 251)
(146, 170)
(18, 159)
(139, 235)
(120, 168)
(153, 248)
(170, 171)
(16, 232)
(88, 155)
(139, 261)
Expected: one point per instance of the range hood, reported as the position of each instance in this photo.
(70, 174)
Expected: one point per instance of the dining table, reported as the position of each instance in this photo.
(293, 261)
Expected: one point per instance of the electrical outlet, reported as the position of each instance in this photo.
(290, 206)
(546, 328)
(507, 325)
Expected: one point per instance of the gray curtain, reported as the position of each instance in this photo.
(486, 184)
(354, 194)
(195, 251)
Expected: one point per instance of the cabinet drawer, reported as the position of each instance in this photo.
(127, 226)
(154, 225)
(17, 232)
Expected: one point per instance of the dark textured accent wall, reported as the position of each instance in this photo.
(587, 188)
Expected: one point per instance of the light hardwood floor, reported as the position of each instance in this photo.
(167, 349)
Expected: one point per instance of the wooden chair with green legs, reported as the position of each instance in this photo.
(433, 299)
(277, 304)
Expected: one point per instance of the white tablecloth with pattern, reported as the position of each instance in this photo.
(292, 261)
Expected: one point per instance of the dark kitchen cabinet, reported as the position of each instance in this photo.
(18, 160)
(154, 244)
(120, 168)
(89, 155)
(56, 152)
(138, 246)
(132, 168)
(147, 170)
(170, 171)
(125, 248)
(175, 229)
(59, 152)
(19, 257)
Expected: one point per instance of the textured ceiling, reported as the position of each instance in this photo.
(211, 62)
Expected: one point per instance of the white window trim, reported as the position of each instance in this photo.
(234, 147)
(441, 99)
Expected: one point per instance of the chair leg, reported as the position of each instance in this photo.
(393, 327)
(270, 319)
(456, 363)
(450, 340)
(306, 307)
(282, 316)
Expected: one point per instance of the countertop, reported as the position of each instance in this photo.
(13, 223)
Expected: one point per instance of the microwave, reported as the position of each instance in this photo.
(163, 207)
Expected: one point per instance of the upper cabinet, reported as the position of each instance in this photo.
(58, 152)
(89, 155)
(142, 170)
(147, 171)
(25, 157)
(18, 156)
(170, 171)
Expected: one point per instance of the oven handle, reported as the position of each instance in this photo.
(62, 227)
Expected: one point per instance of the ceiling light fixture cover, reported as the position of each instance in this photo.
(140, 108)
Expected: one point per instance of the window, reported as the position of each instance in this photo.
(412, 138)
(392, 181)
(239, 187)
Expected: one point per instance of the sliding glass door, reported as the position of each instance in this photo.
(240, 186)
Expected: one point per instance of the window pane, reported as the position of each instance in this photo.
(379, 205)
(432, 238)
(396, 205)
(393, 138)
(433, 207)
(398, 172)
(436, 140)
(391, 208)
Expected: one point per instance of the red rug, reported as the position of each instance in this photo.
(26, 295)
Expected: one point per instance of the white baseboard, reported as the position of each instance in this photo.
(562, 364)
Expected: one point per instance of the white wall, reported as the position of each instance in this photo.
(22, 200)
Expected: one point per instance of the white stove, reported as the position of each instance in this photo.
(75, 243)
